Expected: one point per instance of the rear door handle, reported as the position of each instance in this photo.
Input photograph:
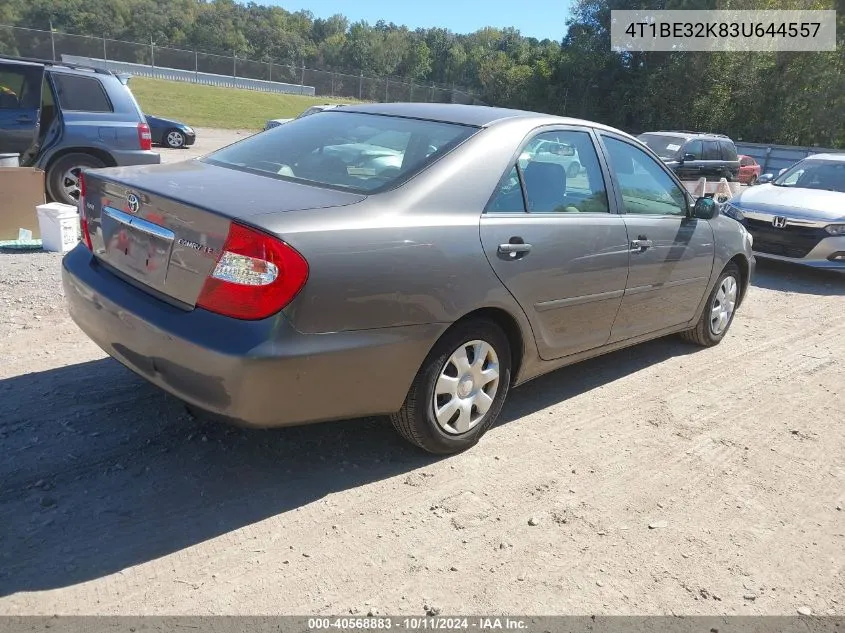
(641, 244)
(508, 249)
(24, 119)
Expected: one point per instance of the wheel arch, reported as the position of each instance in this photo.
(745, 273)
(96, 152)
(510, 326)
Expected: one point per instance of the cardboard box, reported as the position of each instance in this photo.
(21, 190)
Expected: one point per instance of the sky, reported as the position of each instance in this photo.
(534, 18)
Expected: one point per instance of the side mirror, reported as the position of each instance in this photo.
(705, 209)
(764, 178)
(689, 157)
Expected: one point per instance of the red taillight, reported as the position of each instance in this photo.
(145, 137)
(83, 220)
(255, 276)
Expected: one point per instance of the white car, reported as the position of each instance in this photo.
(312, 110)
(799, 215)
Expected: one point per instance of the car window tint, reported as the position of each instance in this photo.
(561, 174)
(646, 187)
(665, 146)
(711, 151)
(508, 196)
(19, 87)
(350, 150)
(815, 174)
(694, 148)
(82, 94)
(728, 150)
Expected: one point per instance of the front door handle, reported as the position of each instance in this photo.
(641, 244)
(515, 249)
(25, 119)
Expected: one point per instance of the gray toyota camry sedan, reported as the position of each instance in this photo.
(410, 260)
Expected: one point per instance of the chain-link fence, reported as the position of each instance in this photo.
(22, 42)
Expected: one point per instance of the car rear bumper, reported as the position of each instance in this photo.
(829, 254)
(259, 373)
(125, 158)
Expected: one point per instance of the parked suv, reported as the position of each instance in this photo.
(693, 155)
(63, 118)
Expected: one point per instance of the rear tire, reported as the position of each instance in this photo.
(719, 311)
(452, 403)
(63, 176)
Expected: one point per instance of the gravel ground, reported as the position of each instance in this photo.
(658, 479)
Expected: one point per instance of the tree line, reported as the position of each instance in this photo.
(790, 98)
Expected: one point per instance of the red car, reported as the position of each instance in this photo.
(749, 170)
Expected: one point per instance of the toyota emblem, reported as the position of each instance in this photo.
(133, 203)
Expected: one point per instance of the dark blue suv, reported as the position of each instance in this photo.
(63, 118)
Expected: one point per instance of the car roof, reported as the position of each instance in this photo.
(63, 67)
(835, 157)
(690, 135)
(474, 115)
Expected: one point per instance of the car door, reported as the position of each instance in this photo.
(671, 252)
(729, 167)
(558, 245)
(20, 105)
(712, 160)
(691, 167)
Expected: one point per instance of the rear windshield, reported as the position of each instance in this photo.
(663, 145)
(365, 153)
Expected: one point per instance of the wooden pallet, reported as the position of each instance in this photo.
(721, 189)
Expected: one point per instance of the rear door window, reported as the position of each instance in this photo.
(711, 151)
(728, 150)
(81, 94)
(559, 172)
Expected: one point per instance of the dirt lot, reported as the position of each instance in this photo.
(660, 479)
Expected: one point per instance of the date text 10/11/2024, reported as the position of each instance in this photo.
(417, 624)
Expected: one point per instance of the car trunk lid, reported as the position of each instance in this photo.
(163, 227)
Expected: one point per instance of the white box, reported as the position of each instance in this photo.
(59, 226)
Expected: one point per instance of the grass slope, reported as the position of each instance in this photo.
(209, 106)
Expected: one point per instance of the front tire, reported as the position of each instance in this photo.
(719, 311)
(459, 391)
(63, 176)
(174, 139)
